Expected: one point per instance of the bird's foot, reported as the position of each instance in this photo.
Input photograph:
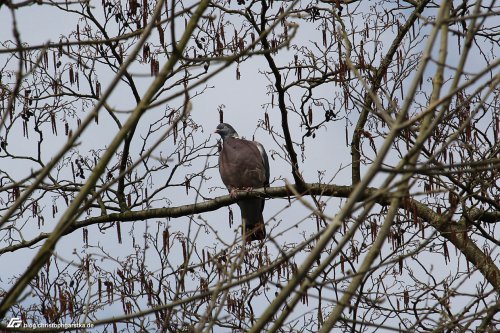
(248, 189)
(233, 193)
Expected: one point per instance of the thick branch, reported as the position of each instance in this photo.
(456, 233)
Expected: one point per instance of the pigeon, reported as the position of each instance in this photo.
(243, 164)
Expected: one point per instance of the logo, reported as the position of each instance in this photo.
(14, 322)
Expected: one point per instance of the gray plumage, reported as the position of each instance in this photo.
(244, 164)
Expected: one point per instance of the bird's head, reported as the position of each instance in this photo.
(226, 131)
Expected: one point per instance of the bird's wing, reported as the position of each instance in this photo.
(265, 161)
(242, 164)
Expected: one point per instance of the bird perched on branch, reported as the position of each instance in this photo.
(243, 164)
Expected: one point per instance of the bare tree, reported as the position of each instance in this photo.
(382, 124)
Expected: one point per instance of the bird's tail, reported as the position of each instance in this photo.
(252, 219)
(255, 232)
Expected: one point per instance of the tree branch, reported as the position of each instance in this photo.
(368, 99)
(456, 233)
